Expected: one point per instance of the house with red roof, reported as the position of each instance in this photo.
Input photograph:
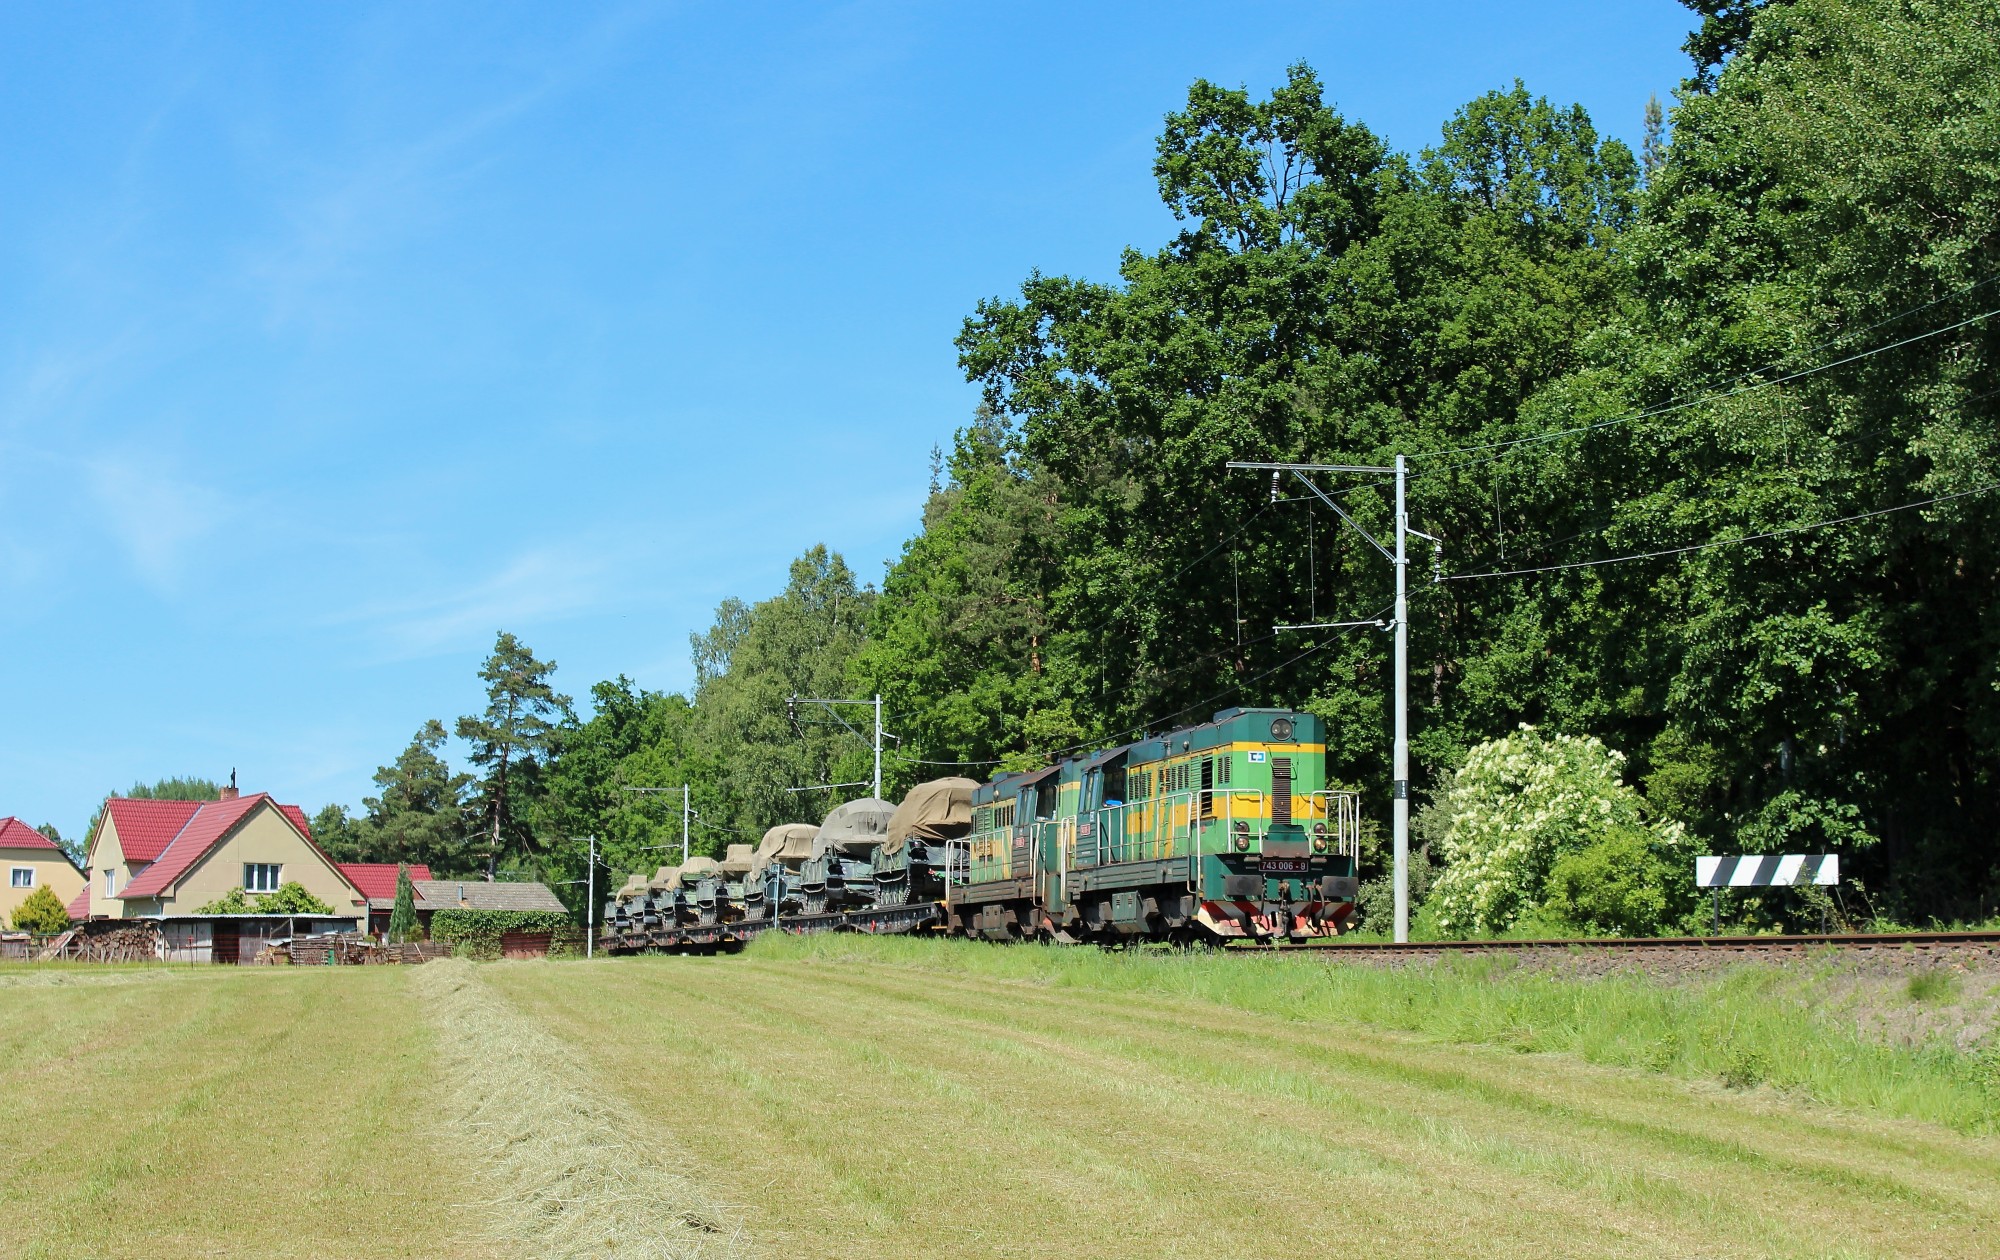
(32, 860)
(163, 859)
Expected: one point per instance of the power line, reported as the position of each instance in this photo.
(1142, 727)
(1629, 419)
(1685, 404)
(1725, 542)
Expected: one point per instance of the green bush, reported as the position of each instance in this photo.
(41, 912)
(291, 898)
(1620, 886)
(477, 933)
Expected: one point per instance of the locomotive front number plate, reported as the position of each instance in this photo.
(1283, 866)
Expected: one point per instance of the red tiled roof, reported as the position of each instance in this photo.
(15, 834)
(212, 821)
(79, 906)
(145, 828)
(377, 880)
(210, 824)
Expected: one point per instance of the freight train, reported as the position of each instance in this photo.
(1224, 831)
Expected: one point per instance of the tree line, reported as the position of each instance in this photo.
(1706, 433)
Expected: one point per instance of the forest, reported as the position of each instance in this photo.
(1705, 432)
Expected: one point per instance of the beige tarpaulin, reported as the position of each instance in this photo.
(788, 844)
(737, 861)
(664, 880)
(696, 869)
(938, 810)
(856, 828)
(633, 887)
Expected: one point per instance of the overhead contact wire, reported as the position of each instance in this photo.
(1726, 542)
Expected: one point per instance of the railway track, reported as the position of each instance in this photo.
(1980, 943)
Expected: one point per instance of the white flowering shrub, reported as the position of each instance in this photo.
(1520, 805)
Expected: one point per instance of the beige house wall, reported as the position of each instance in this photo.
(266, 836)
(52, 870)
(107, 855)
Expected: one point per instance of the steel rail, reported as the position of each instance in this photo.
(1722, 944)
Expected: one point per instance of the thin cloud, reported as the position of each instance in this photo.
(373, 201)
(540, 585)
(154, 514)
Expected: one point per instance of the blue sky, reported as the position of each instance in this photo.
(334, 338)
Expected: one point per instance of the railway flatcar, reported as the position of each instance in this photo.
(1217, 832)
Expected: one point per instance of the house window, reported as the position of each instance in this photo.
(111, 883)
(260, 877)
(22, 877)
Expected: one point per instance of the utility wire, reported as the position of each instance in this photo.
(1224, 650)
(1141, 728)
(1684, 405)
(1725, 542)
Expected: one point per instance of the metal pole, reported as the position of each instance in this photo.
(684, 824)
(1400, 805)
(590, 903)
(878, 745)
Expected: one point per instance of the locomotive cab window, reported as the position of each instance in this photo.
(1039, 799)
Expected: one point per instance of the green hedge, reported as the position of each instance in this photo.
(477, 933)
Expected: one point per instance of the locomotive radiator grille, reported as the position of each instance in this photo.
(1281, 789)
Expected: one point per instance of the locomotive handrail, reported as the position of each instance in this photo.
(1346, 821)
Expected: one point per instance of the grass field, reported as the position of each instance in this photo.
(892, 1099)
(220, 1111)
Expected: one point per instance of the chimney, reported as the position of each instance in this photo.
(229, 793)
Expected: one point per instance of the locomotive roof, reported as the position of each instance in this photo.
(1227, 727)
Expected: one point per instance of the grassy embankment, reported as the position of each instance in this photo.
(889, 1098)
(1809, 1029)
(220, 1111)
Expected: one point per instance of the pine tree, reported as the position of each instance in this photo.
(512, 739)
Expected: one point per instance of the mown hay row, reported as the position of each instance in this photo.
(567, 1178)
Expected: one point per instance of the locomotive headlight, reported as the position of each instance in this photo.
(1281, 730)
(1319, 844)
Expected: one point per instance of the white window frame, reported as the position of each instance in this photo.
(277, 870)
(111, 883)
(14, 879)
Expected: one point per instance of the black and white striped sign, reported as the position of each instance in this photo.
(1763, 870)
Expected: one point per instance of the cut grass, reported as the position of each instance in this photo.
(1744, 1026)
(219, 1111)
(566, 1172)
(891, 1098)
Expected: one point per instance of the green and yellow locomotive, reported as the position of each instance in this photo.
(1218, 832)
(1209, 834)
